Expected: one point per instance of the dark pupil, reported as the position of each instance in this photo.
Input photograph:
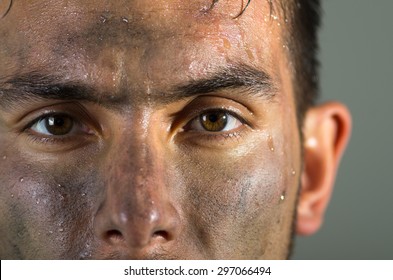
(57, 121)
(58, 124)
(214, 121)
(213, 118)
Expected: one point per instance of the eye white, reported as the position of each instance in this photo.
(40, 126)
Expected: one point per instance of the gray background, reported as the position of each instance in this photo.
(357, 69)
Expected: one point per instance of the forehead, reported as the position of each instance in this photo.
(74, 34)
(157, 14)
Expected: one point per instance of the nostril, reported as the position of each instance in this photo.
(114, 236)
(161, 234)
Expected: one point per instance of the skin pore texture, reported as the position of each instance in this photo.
(138, 172)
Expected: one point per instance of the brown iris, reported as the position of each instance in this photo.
(214, 121)
(59, 124)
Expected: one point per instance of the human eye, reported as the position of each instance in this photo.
(58, 129)
(56, 124)
(219, 128)
(215, 121)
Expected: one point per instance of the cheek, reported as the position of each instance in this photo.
(233, 198)
(44, 203)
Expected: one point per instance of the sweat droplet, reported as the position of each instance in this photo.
(250, 54)
(103, 19)
(21, 180)
(124, 19)
(4, 157)
(282, 197)
(270, 143)
(227, 44)
(293, 173)
(61, 229)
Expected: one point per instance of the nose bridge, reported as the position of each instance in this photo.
(137, 205)
(135, 160)
(138, 181)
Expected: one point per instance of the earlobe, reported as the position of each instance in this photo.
(326, 133)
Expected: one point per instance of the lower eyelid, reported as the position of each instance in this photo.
(211, 140)
(56, 144)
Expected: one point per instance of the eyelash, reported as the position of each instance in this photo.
(200, 137)
(217, 111)
(220, 136)
(43, 139)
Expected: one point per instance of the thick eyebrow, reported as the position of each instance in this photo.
(242, 78)
(239, 78)
(39, 85)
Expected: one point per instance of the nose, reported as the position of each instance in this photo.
(136, 212)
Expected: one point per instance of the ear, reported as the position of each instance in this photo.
(326, 131)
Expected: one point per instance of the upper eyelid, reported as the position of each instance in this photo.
(238, 119)
(36, 121)
(230, 112)
(233, 114)
(41, 118)
(73, 110)
(46, 115)
(191, 111)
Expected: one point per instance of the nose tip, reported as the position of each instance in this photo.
(141, 229)
(135, 229)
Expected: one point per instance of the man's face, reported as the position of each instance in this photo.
(146, 129)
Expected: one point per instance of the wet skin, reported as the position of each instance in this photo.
(146, 129)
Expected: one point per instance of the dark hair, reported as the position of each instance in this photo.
(305, 20)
